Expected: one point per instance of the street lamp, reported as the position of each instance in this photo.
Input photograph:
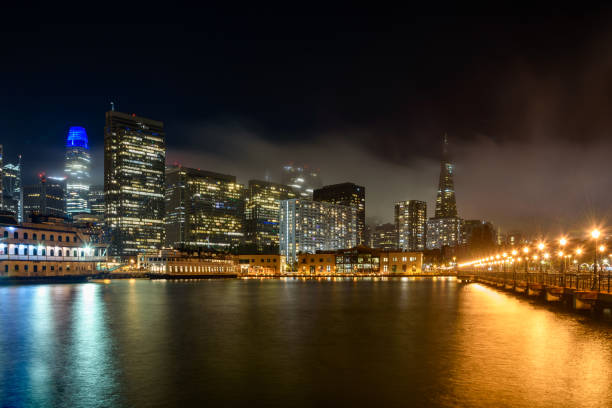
(595, 234)
(526, 251)
(540, 248)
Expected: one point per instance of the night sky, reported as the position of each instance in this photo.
(526, 102)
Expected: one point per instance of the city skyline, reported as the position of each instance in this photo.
(498, 110)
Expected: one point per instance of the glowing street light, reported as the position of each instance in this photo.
(595, 234)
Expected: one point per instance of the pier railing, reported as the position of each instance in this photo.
(585, 281)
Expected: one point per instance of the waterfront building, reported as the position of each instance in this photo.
(262, 264)
(302, 179)
(176, 263)
(48, 197)
(384, 237)
(411, 225)
(47, 247)
(348, 194)
(444, 229)
(77, 167)
(12, 193)
(308, 226)
(134, 182)
(360, 260)
(262, 214)
(204, 209)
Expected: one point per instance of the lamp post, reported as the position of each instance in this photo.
(595, 234)
(514, 252)
(562, 243)
(526, 251)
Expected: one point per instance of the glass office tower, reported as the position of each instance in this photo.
(77, 168)
(134, 182)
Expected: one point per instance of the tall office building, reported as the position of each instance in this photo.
(76, 168)
(480, 236)
(48, 197)
(95, 202)
(348, 194)
(262, 214)
(12, 191)
(134, 182)
(411, 225)
(308, 226)
(444, 229)
(444, 232)
(446, 206)
(302, 179)
(384, 236)
(204, 209)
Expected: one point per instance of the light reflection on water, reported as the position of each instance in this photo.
(291, 342)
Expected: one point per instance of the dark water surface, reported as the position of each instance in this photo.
(403, 342)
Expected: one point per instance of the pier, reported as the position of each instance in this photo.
(580, 291)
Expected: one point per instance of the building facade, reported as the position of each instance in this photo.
(411, 225)
(479, 235)
(77, 167)
(347, 194)
(47, 248)
(444, 232)
(262, 214)
(262, 264)
(308, 226)
(204, 209)
(303, 179)
(48, 197)
(176, 264)
(134, 182)
(384, 237)
(361, 260)
(12, 191)
(95, 200)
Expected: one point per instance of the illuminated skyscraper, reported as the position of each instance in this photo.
(134, 182)
(45, 198)
(444, 232)
(96, 202)
(446, 206)
(204, 209)
(411, 225)
(307, 226)
(384, 236)
(262, 214)
(346, 194)
(444, 229)
(77, 170)
(302, 179)
(12, 191)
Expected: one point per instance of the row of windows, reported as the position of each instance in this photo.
(43, 236)
(35, 268)
(43, 252)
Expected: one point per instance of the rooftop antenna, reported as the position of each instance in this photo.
(112, 106)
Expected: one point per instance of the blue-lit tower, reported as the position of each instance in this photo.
(77, 171)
